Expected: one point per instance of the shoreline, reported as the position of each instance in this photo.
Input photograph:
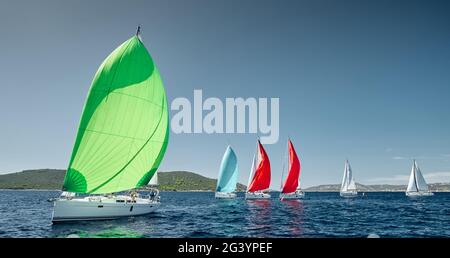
(209, 191)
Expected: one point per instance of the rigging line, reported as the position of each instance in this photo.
(101, 145)
(90, 153)
(106, 160)
(116, 135)
(140, 98)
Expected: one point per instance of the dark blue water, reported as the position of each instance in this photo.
(198, 214)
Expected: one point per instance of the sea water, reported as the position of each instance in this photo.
(199, 214)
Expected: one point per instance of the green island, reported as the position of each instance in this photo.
(52, 179)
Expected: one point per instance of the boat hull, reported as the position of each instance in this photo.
(221, 195)
(349, 194)
(100, 208)
(418, 194)
(256, 195)
(295, 195)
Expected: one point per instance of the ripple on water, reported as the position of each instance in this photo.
(28, 214)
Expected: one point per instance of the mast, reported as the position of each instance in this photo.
(138, 33)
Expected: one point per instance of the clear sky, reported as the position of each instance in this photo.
(363, 80)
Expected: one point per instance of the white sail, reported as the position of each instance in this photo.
(251, 171)
(348, 182)
(417, 182)
(421, 184)
(154, 180)
(351, 184)
(412, 187)
(344, 183)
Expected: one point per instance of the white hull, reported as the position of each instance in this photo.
(257, 195)
(348, 194)
(101, 208)
(418, 194)
(295, 195)
(221, 195)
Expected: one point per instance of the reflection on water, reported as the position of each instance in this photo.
(294, 211)
(113, 232)
(196, 214)
(259, 217)
(227, 203)
(96, 229)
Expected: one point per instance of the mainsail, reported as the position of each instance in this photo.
(123, 131)
(416, 180)
(291, 183)
(154, 180)
(348, 183)
(261, 175)
(228, 172)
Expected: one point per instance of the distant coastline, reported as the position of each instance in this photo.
(52, 179)
(434, 187)
(173, 181)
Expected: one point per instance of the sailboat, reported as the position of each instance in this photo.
(417, 185)
(121, 140)
(348, 186)
(291, 187)
(228, 173)
(259, 179)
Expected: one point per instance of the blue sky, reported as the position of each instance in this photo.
(363, 80)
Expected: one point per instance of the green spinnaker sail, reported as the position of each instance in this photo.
(123, 132)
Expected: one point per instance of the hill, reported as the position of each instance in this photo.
(175, 181)
(53, 179)
(188, 181)
(436, 187)
(33, 179)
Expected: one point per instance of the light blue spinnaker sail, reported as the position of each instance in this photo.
(228, 172)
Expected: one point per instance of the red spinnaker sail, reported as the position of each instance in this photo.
(261, 178)
(291, 183)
